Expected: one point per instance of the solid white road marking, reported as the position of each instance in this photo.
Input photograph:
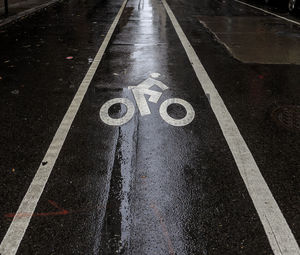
(281, 238)
(190, 113)
(16, 231)
(271, 13)
(104, 116)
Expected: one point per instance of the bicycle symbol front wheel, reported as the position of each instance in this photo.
(190, 113)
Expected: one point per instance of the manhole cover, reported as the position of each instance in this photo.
(287, 117)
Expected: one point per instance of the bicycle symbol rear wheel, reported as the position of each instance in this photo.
(120, 121)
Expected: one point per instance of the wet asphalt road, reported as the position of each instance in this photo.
(146, 187)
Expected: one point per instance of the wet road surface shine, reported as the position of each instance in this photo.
(147, 187)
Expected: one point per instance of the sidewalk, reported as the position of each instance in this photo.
(21, 8)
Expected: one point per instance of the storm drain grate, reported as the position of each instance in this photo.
(288, 117)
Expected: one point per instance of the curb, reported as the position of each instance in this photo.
(27, 13)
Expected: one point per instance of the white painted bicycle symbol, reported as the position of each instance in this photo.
(139, 93)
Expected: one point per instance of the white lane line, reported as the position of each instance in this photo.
(16, 231)
(271, 13)
(278, 232)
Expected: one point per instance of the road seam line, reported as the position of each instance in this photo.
(17, 228)
(271, 13)
(277, 230)
(26, 13)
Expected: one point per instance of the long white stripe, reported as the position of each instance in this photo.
(16, 231)
(279, 234)
(271, 13)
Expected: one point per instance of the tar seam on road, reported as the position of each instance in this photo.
(17, 228)
(26, 13)
(271, 13)
(278, 232)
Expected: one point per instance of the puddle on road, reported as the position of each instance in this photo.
(261, 40)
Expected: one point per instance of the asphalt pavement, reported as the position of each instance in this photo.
(150, 127)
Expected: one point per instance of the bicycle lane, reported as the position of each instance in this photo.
(146, 187)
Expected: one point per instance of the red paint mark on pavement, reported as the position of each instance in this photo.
(61, 212)
(164, 228)
(260, 77)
